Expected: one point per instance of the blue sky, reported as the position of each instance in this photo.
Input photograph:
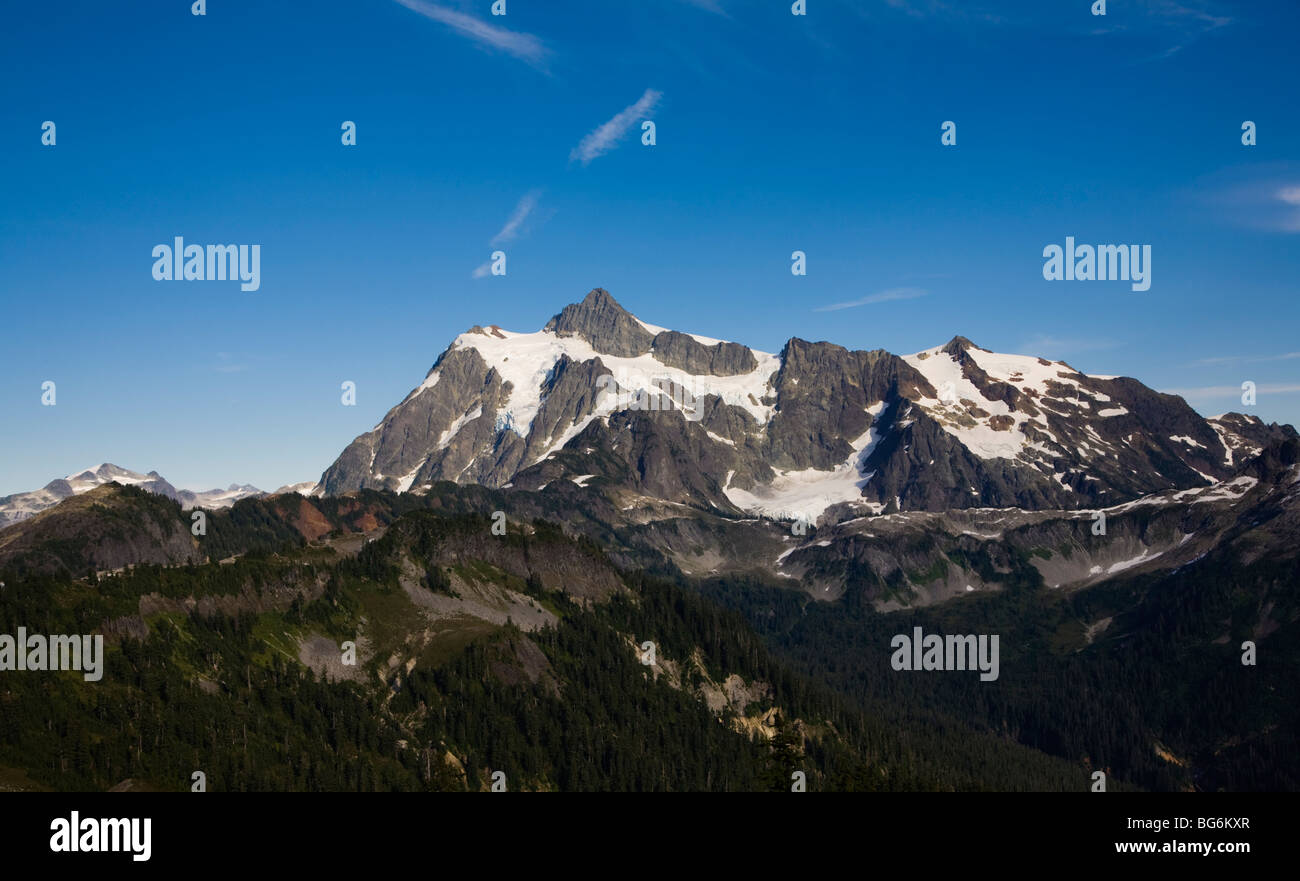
(775, 133)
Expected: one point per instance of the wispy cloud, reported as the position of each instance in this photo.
(1248, 359)
(511, 230)
(1264, 196)
(229, 364)
(1198, 16)
(1289, 195)
(604, 137)
(1209, 392)
(882, 297)
(523, 46)
(708, 5)
(1172, 23)
(940, 9)
(1273, 206)
(1178, 22)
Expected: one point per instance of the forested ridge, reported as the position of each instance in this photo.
(205, 668)
(221, 691)
(1159, 697)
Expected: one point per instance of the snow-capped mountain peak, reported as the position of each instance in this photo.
(810, 431)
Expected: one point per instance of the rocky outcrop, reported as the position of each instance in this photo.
(603, 323)
(687, 353)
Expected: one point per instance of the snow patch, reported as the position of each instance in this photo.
(405, 483)
(806, 494)
(1130, 563)
(446, 437)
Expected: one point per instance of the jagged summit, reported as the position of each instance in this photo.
(602, 322)
(957, 345)
(601, 398)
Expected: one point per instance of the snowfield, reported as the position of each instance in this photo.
(804, 495)
(527, 359)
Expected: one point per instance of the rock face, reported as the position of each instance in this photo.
(603, 323)
(689, 354)
(1243, 436)
(815, 431)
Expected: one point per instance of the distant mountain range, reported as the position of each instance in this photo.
(20, 506)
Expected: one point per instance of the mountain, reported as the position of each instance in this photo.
(601, 398)
(20, 506)
(1123, 550)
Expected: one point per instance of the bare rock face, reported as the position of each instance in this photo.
(417, 435)
(603, 323)
(721, 359)
(919, 466)
(1246, 436)
(824, 392)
